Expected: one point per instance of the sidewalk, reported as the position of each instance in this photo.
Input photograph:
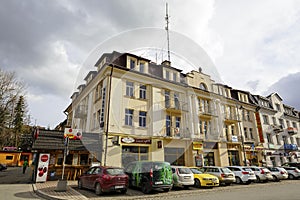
(47, 191)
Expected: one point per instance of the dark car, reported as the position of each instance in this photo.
(150, 175)
(2, 167)
(291, 164)
(104, 179)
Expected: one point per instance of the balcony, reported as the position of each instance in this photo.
(277, 128)
(292, 130)
(206, 113)
(175, 106)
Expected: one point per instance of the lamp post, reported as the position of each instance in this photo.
(242, 137)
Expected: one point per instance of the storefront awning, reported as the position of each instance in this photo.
(259, 148)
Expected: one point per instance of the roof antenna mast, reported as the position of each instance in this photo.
(167, 29)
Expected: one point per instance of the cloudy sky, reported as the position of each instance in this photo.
(255, 45)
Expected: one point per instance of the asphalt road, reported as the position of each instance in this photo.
(284, 190)
(14, 185)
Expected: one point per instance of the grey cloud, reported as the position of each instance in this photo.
(288, 89)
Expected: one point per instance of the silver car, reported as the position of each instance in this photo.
(278, 173)
(262, 174)
(225, 175)
(243, 174)
(182, 176)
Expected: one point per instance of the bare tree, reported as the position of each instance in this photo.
(10, 91)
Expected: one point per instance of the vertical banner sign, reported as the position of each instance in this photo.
(42, 169)
(259, 127)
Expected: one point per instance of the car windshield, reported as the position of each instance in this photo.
(184, 170)
(226, 170)
(115, 171)
(196, 171)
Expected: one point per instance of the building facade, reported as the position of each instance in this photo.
(147, 111)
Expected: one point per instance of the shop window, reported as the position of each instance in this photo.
(175, 156)
(69, 159)
(209, 159)
(84, 158)
(134, 153)
(60, 159)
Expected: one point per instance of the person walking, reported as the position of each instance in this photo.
(25, 164)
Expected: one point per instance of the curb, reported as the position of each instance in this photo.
(42, 194)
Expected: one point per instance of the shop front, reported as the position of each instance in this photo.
(233, 154)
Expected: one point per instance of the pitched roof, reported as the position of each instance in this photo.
(54, 140)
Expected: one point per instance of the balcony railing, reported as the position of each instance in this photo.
(277, 128)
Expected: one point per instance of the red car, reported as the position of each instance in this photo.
(104, 179)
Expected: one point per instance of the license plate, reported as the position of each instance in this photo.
(187, 177)
(119, 186)
(158, 182)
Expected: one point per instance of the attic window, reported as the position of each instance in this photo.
(203, 86)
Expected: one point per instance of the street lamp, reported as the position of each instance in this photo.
(242, 137)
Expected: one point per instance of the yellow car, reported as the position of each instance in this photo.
(204, 180)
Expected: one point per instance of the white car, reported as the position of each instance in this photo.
(262, 174)
(182, 176)
(278, 173)
(293, 172)
(243, 174)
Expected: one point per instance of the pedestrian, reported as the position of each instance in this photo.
(25, 164)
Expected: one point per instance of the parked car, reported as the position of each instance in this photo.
(225, 175)
(278, 173)
(203, 179)
(2, 167)
(150, 175)
(291, 164)
(262, 174)
(182, 176)
(243, 174)
(104, 179)
(293, 172)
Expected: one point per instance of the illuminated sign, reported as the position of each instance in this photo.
(73, 134)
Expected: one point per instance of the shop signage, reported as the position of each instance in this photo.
(259, 127)
(130, 140)
(234, 138)
(197, 146)
(42, 169)
(259, 148)
(73, 134)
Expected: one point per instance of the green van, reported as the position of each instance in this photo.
(150, 175)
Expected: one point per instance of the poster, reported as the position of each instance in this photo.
(42, 169)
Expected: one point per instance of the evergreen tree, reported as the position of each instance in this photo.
(19, 118)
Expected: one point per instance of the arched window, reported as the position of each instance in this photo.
(203, 86)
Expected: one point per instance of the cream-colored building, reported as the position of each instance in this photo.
(147, 111)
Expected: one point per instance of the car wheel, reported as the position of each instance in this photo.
(227, 184)
(238, 180)
(146, 188)
(166, 189)
(79, 184)
(257, 179)
(123, 191)
(291, 176)
(98, 189)
(275, 178)
(197, 183)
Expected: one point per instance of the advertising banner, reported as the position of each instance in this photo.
(42, 169)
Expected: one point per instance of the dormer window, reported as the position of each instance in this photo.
(203, 86)
(142, 67)
(167, 75)
(132, 64)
